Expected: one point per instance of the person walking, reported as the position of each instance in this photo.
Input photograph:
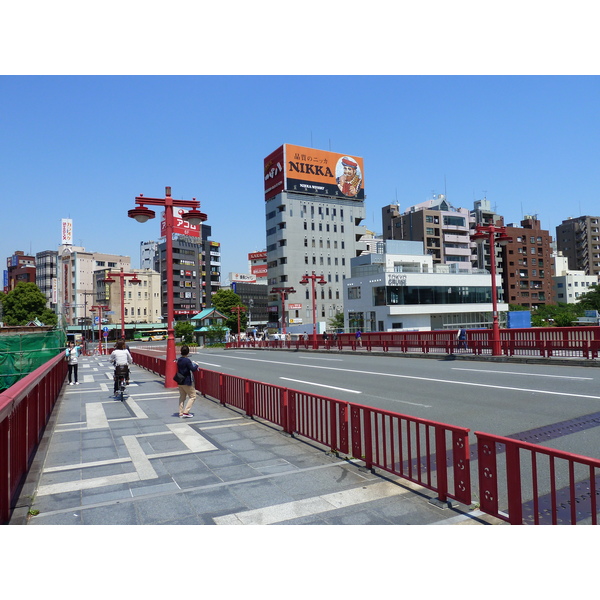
(359, 338)
(461, 337)
(71, 356)
(187, 388)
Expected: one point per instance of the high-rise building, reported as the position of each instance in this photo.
(148, 252)
(443, 229)
(579, 241)
(20, 268)
(196, 273)
(46, 276)
(482, 214)
(314, 206)
(527, 264)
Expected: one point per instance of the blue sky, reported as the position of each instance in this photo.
(82, 147)
(99, 106)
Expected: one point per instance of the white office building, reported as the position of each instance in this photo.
(568, 285)
(399, 288)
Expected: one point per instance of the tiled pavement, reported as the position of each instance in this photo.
(104, 462)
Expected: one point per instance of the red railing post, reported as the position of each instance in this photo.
(440, 461)
(284, 410)
(513, 485)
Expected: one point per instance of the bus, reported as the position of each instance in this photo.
(150, 335)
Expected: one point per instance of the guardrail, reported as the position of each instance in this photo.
(538, 485)
(563, 489)
(433, 455)
(575, 342)
(25, 408)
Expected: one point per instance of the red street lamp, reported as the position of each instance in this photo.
(238, 309)
(321, 281)
(283, 292)
(488, 233)
(194, 217)
(100, 308)
(133, 278)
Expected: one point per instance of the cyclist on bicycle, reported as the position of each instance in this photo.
(121, 358)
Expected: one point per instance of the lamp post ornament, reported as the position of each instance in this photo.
(321, 281)
(488, 233)
(194, 217)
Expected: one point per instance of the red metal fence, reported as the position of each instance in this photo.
(583, 342)
(518, 482)
(434, 455)
(536, 485)
(25, 408)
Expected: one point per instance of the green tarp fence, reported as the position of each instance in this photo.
(22, 353)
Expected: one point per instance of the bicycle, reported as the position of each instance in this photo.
(121, 375)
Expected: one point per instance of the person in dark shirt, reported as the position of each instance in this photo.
(187, 389)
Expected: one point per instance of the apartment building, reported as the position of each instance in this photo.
(579, 241)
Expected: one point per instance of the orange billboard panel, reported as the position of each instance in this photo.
(311, 171)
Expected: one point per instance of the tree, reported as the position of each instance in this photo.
(337, 322)
(591, 299)
(224, 301)
(185, 331)
(24, 304)
(215, 334)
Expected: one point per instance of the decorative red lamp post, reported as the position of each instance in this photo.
(100, 308)
(194, 217)
(488, 233)
(283, 292)
(133, 278)
(238, 309)
(321, 281)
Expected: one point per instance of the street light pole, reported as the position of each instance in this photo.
(100, 308)
(321, 281)
(488, 233)
(238, 309)
(133, 279)
(283, 291)
(194, 217)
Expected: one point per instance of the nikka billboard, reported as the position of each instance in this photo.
(309, 171)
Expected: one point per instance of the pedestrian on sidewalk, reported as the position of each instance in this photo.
(187, 388)
(359, 338)
(71, 355)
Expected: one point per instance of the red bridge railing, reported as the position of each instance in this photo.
(536, 485)
(434, 455)
(583, 342)
(25, 408)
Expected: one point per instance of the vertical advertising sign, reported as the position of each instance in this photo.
(311, 171)
(67, 232)
(179, 225)
(54, 299)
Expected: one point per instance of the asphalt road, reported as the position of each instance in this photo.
(500, 398)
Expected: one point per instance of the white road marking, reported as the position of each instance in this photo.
(312, 506)
(445, 381)
(192, 439)
(95, 417)
(331, 387)
(526, 374)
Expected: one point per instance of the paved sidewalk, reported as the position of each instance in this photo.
(103, 462)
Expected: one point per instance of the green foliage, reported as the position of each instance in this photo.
(215, 334)
(24, 304)
(337, 322)
(556, 315)
(185, 331)
(224, 301)
(591, 299)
